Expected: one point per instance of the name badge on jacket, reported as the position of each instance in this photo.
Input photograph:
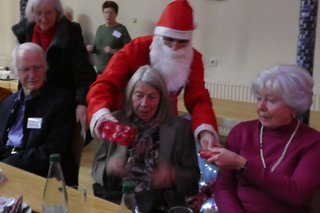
(116, 34)
(34, 123)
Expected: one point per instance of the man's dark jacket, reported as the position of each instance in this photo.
(56, 109)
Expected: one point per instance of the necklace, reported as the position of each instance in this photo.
(283, 152)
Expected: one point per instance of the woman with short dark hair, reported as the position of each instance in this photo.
(110, 36)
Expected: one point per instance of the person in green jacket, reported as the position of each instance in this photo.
(110, 36)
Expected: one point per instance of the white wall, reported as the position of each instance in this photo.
(8, 16)
(245, 36)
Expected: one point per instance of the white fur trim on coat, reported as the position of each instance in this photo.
(177, 34)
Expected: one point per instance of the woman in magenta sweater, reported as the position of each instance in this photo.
(271, 164)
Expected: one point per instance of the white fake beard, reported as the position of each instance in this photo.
(174, 65)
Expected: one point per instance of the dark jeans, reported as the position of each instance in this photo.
(151, 202)
(112, 196)
(111, 189)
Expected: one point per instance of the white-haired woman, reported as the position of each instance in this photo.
(271, 164)
(68, 63)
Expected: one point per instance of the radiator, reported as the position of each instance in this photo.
(237, 92)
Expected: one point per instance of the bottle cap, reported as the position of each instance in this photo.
(128, 187)
(55, 157)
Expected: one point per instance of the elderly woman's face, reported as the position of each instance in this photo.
(272, 110)
(45, 16)
(145, 100)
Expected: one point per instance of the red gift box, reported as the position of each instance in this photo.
(119, 133)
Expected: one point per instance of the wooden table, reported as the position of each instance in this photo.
(9, 84)
(31, 186)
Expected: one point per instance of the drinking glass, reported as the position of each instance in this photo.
(180, 209)
(83, 203)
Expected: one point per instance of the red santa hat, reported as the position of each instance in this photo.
(176, 21)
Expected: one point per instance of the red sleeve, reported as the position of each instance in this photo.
(108, 89)
(196, 97)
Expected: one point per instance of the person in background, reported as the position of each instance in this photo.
(22, 7)
(170, 52)
(162, 159)
(4, 93)
(110, 36)
(68, 13)
(270, 164)
(69, 67)
(38, 119)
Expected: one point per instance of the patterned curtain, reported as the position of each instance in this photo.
(307, 38)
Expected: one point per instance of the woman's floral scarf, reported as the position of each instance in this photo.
(144, 154)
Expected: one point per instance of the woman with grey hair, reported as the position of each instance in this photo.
(33, 8)
(161, 159)
(270, 164)
(290, 82)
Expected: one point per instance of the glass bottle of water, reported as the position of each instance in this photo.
(55, 199)
(128, 202)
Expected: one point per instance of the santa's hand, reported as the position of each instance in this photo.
(207, 140)
(100, 122)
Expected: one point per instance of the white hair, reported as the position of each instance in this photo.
(30, 47)
(33, 4)
(290, 82)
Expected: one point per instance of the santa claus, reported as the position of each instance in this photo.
(170, 52)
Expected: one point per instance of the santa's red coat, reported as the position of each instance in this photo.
(108, 89)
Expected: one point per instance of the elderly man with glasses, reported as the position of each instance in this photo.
(170, 52)
(38, 120)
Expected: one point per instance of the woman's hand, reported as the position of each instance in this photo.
(81, 117)
(89, 48)
(226, 159)
(100, 122)
(117, 161)
(164, 177)
(116, 166)
(108, 49)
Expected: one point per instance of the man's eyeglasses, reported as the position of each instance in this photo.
(172, 41)
(35, 68)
